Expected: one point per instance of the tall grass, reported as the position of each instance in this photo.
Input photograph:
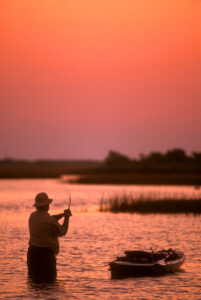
(144, 204)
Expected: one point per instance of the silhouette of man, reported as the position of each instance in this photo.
(43, 243)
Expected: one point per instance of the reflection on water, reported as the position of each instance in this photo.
(53, 290)
(95, 239)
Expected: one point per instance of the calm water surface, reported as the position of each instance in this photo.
(93, 240)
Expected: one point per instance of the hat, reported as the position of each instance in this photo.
(42, 199)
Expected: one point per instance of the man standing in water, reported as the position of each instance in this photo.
(43, 243)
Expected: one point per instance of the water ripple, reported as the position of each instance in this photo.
(94, 239)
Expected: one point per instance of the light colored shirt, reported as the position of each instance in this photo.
(45, 230)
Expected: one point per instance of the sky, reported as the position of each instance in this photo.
(79, 78)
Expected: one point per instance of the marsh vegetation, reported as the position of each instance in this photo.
(144, 204)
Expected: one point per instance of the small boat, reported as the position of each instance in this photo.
(144, 263)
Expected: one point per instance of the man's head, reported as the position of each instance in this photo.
(42, 201)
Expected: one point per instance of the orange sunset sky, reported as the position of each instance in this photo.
(81, 77)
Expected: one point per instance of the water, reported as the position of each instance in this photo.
(93, 240)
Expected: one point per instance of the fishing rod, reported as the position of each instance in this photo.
(69, 203)
(59, 216)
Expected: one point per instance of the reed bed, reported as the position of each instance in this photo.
(143, 204)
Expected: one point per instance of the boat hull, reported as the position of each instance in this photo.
(122, 268)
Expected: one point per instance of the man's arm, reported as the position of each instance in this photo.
(58, 217)
(62, 229)
(65, 224)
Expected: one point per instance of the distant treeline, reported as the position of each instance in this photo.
(10, 168)
(172, 167)
(175, 160)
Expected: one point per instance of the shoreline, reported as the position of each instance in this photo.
(140, 178)
(116, 179)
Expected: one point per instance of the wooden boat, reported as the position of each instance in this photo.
(143, 263)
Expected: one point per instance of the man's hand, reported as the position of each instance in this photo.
(67, 213)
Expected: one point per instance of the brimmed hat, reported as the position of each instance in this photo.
(42, 199)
